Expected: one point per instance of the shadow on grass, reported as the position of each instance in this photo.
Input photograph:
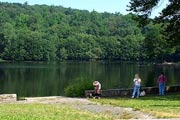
(174, 106)
(168, 97)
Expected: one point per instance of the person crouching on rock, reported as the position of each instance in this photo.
(97, 89)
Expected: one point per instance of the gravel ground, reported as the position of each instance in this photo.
(85, 104)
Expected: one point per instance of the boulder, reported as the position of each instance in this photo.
(8, 97)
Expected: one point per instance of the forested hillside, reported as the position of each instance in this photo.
(43, 33)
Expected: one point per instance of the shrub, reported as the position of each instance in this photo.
(78, 89)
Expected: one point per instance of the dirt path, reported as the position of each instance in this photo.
(85, 104)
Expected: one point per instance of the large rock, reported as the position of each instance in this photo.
(8, 97)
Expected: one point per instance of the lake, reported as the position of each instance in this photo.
(50, 78)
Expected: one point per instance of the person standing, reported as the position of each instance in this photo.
(137, 85)
(162, 79)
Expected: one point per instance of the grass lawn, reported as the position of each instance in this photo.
(167, 106)
(45, 112)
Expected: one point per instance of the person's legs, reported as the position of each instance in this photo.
(163, 88)
(98, 93)
(159, 88)
(138, 91)
(134, 91)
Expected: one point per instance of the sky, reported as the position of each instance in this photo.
(111, 6)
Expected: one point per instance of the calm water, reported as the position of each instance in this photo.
(47, 79)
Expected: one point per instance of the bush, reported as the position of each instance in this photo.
(78, 89)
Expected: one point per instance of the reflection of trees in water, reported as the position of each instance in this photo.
(150, 81)
(172, 74)
(120, 75)
(2, 76)
(37, 79)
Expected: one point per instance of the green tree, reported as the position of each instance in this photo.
(170, 15)
(8, 41)
(155, 42)
(42, 33)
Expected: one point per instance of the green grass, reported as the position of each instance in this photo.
(45, 112)
(167, 106)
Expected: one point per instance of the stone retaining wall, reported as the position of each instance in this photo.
(128, 92)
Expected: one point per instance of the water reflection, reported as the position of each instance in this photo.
(50, 78)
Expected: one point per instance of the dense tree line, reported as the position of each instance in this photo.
(169, 16)
(43, 33)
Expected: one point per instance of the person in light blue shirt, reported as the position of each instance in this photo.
(137, 85)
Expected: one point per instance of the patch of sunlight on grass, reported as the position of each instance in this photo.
(45, 112)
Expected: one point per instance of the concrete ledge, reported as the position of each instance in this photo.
(8, 97)
(128, 92)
